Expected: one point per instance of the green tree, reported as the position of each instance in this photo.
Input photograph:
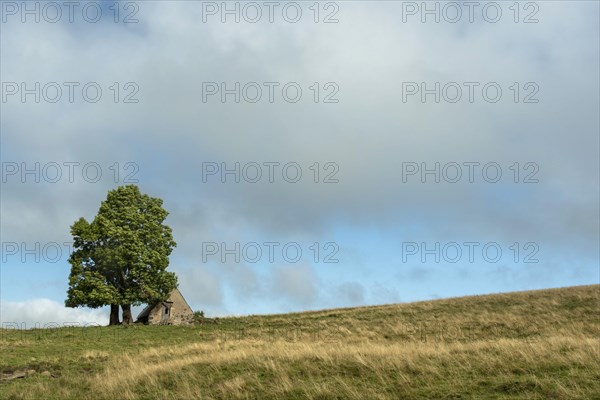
(121, 257)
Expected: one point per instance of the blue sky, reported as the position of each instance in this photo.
(369, 136)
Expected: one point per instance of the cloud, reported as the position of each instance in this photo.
(296, 284)
(370, 123)
(201, 286)
(48, 313)
(368, 135)
(352, 293)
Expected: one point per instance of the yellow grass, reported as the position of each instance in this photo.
(529, 345)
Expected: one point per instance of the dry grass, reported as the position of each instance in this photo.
(533, 345)
(548, 367)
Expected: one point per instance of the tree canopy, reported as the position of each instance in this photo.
(121, 257)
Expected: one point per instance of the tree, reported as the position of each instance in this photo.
(121, 257)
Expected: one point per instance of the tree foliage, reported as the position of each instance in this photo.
(121, 257)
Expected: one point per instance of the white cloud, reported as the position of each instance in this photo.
(368, 134)
(47, 313)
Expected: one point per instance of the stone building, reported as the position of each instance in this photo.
(174, 311)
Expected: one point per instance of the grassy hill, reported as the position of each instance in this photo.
(526, 345)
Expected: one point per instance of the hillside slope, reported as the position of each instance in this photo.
(537, 344)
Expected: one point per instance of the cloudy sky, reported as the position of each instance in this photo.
(404, 158)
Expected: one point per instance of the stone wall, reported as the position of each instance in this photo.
(180, 312)
(155, 315)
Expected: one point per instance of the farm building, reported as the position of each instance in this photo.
(174, 311)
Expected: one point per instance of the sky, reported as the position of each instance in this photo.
(310, 156)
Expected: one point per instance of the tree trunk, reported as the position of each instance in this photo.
(127, 318)
(114, 315)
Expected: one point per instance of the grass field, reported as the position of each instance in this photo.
(524, 345)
